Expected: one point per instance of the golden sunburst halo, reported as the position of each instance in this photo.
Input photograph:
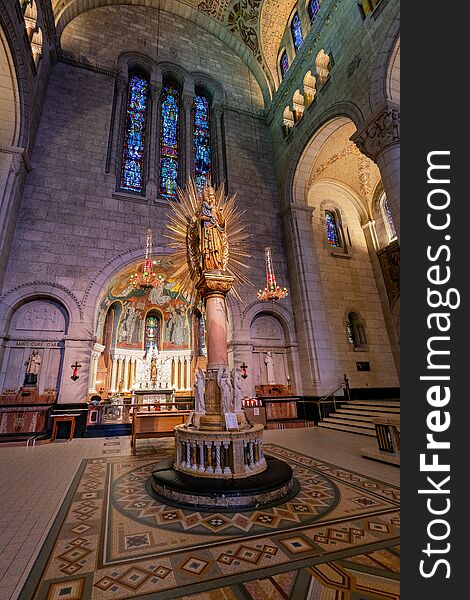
(183, 231)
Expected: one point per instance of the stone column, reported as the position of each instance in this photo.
(114, 368)
(218, 145)
(153, 136)
(314, 345)
(187, 136)
(379, 140)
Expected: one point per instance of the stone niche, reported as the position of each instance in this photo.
(267, 335)
(41, 325)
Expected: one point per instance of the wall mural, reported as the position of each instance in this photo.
(133, 305)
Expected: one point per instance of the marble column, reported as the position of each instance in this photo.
(379, 140)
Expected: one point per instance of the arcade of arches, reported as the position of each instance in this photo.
(106, 107)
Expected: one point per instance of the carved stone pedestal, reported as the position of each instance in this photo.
(219, 454)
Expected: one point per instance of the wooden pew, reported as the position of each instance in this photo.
(155, 424)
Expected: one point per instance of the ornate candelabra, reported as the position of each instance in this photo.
(272, 291)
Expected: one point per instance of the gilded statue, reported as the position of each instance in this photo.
(213, 238)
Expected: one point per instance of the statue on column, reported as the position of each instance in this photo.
(214, 247)
(237, 391)
(199, 385)
(270, 367)
(226, 389)
(33, 364)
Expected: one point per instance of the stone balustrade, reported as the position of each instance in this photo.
(219, 454)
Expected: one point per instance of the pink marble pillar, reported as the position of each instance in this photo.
(216, 319)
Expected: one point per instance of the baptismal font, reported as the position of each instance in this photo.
(217, 442)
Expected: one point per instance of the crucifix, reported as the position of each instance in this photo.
(244, 367)
(75, 368)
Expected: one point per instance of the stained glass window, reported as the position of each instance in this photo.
(202, 144)
(133, 153)
(284, 63)
(296, 31)
(332, 229)
(169, 141)
(151, 333)
(349, 332)
(393, 231)
(313, 8)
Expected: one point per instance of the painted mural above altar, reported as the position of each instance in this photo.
(146, 316)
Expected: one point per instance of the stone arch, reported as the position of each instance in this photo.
(168, 70)
(97, 288)
(317, 132)
(73, 8)
(12, 300)
(346, 193)
(208, 84)
(310, 88)
(129, 62)
(379, 88)
(10, 121)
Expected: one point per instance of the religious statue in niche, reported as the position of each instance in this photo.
(214, 247)
(270, 367)
(33, 364)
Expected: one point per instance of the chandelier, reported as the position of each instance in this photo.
(272, 291)
(146, 277)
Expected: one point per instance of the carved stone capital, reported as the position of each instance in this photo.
(214, 283)
(379, 133)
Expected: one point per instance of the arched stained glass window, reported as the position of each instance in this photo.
(388, 214)
(332, 229)
(284, 63)
(169, 141)
(202, 144)
(296, 29)
(151, 333)
(313, 8)
(132, 171)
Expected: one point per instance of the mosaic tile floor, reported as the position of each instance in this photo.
(338, 538)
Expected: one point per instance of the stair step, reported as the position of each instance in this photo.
(361, 416)
(373, 403)
(359, 424)
(345, 428)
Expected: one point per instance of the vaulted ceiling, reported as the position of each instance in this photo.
(252, 28)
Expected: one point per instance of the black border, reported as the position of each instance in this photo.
(433, 117)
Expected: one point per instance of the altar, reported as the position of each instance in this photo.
(153, 397)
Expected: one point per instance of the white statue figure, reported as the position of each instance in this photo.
(33, 365)
(199, 386)
(237, 391)
(270, 367)
(226, 390)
